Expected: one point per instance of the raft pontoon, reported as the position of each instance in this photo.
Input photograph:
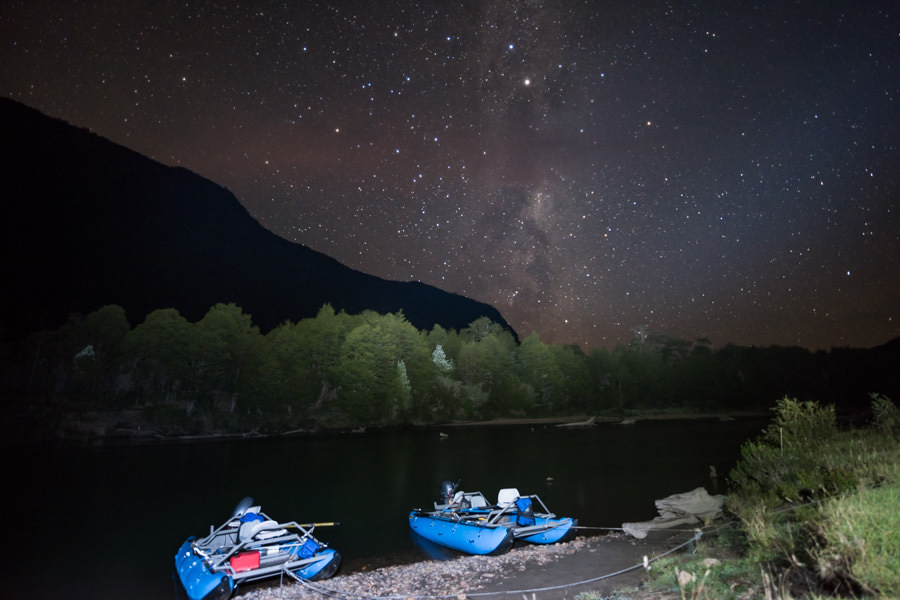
(467, 522)
(249, 546)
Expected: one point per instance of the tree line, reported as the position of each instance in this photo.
(340, 370)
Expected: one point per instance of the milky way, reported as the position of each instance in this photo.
(719, 170)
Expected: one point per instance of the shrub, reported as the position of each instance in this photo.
(887, 416)
(797, 425)
(808, 503)
(784, 463)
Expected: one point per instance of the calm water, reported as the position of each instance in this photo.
(106, 521)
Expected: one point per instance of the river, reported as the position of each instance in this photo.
(105, 521)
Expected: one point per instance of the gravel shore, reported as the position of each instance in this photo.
(541, 572)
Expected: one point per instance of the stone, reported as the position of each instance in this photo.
(684, 578)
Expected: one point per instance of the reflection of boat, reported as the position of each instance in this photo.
(466, 521)
(250, 546)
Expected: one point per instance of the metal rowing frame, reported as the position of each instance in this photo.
(227, 536)
(494, 514)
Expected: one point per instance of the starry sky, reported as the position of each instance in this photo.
(719, 170)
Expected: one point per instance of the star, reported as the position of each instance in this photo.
(706, 173)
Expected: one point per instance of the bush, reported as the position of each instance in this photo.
(797, 425)
(806, 498)
(784, 463)
(887, 416)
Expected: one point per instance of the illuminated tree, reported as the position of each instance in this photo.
(444, 365)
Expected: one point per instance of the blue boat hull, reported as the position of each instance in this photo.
(202, 584)
(197, 580)
(468, 537)
(326, 564)
(559, 528)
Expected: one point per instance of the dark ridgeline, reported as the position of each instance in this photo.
(86, 222)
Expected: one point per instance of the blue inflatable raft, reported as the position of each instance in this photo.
(467, 522)
(250, 546)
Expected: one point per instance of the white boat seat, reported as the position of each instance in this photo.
(507, 496)
(267, 534)
(260, 530)
(478, 501)
(472, 500)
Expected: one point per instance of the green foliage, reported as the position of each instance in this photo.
(575, 394)
(787, 464)
(601, 368)
(382, 363)
(162, 356)
(887, 416)
(338, 370)
(362, 374)
(839, 537)
(403, 379)
(540, 370)
(860, 539)
(798, 425)
(285, 383)
(224, 356)
(443, 364)
(82, 358)
(700, 577)
(803, 492)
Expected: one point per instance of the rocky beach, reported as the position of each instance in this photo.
(600, 564)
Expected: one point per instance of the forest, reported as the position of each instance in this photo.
(337, 370)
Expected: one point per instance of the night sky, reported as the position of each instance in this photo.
(720, 170)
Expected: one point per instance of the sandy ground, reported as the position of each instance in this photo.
(604, 565)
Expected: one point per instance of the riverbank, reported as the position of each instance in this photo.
(630, 418)
(599, 564)
(134, 426)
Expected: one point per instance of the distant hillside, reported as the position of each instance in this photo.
(87, 222)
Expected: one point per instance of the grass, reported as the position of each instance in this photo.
(860, 540)
(716, 569)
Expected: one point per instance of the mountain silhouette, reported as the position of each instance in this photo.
(87, 222)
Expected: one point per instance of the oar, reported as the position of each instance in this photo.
(325, 524)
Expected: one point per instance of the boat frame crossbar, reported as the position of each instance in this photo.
(479, 509)
(290, 539)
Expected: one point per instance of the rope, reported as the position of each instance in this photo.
(642, 565)
(698, 533)
(673, 529)
(326, 591)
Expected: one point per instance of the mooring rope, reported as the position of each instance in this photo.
(642, 565)
(586, 527)
(326, 591)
